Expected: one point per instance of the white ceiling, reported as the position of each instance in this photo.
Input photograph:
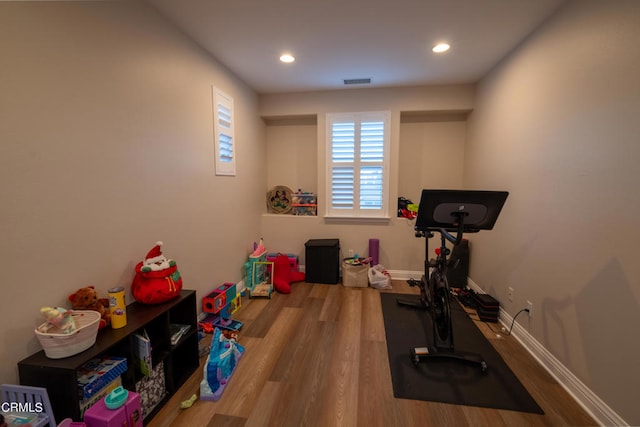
(388, 41)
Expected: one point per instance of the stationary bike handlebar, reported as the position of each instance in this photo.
(450, 237)
(445, 233)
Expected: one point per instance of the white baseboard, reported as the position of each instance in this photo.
(591, 403)
(240, 286)
(405, 275)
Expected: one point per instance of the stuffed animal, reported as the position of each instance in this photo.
(157, 278)
(87, 299)
(58, 317)
(283, 277)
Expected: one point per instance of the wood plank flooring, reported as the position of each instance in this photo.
(318, 357)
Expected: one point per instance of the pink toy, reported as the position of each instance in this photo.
(258, 249)
(128, 415)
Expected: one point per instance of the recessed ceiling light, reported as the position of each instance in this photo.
(441, 47)
(287, 57)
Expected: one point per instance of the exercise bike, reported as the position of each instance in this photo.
(446, 212)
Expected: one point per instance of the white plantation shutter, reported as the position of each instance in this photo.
(342, 172)
(372, 143)
(358, 156)
(342, 183)
(224, 143)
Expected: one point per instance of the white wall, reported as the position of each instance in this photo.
(557, 125)
(105, 148)
(431, 156)
(292, 155)
(296, 154)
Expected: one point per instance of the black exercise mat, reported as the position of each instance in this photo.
(447, 381)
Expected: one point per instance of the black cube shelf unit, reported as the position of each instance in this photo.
(59, 376)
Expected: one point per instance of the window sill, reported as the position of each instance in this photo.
(336, 219)
(356, 220)
(288, 215)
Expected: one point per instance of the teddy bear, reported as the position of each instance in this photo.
(87, 299)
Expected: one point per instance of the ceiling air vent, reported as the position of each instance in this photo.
(357, 81)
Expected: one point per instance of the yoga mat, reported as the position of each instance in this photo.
(447, 381)
(374, 247)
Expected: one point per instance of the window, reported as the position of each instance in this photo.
(224, 143)
(358, 156)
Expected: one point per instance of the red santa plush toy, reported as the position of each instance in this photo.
(157, 278)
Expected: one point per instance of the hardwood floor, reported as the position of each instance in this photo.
(318, 357)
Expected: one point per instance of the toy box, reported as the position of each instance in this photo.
(293, 260)
(94, 375)
(87, 403)
(304, 204)
(220, 299)
(127, 415)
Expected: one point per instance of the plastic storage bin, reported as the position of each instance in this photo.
(304, 204)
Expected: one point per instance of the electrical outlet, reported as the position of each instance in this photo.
(510, 293)
(350, 253)
(530, 308)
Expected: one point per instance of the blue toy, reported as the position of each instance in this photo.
(221, 363)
